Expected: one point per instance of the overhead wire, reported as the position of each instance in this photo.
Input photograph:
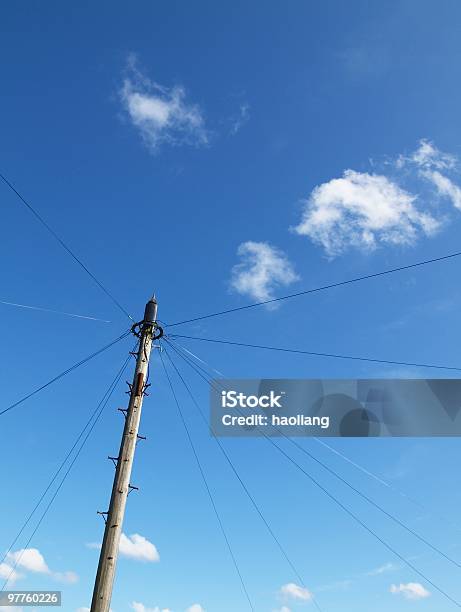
(67, 371)
(365, 497)
(348, 281)
(90, 425)
(355, 517)
(51, 311)
(318, 354)
(239, 478)
(64, 245)
(385, 483)
(318, 440)
(330, 448)
(207, 487)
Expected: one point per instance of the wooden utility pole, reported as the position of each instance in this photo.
(147, 330)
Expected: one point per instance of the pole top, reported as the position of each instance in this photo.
(150, 313)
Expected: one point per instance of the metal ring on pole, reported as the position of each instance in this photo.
(136, 330)
(159, 333)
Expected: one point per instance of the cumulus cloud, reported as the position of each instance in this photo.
(29, 559)
(138, 547)
(362, 210)
(8, 573)
(195, 608)
(296, 592)
(162, 115)
(262, 269)
(32, 560)
(411, 590)
(134, 546)
(140, 607)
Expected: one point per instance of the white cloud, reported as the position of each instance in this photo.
(262, 269)
(411, 590)
(430, 162)
(444, 186)
(30, 559)
(138, 547)
(283, 609)
(427, 155)
(195, 608)
(294, 591)
(161, 114)
(140, 607)
(134, 546)
(362, 210)
(8, 573)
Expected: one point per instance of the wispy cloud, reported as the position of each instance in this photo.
(239, 120)
(434, 166)
(162, 115)
(134, 546)
(262, 269)
(383, 569)
(363, 210)
(411, 590)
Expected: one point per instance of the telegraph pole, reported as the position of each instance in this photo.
(147, 331)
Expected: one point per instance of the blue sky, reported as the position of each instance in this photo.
(218, 155)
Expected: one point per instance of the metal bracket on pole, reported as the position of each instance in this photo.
(104, 515)
(132, 488)
(114, 460)
(124, 411)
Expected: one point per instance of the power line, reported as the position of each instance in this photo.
(63, 463)
(96, 416)
(59, 312)
(237, 475)
(322, 288)
(360, 493)
(210, 495)
(384, 483)
(342, 506)
(317, 354)
(364, 525)
(64, 245)
(369, 500)
(62, 374)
